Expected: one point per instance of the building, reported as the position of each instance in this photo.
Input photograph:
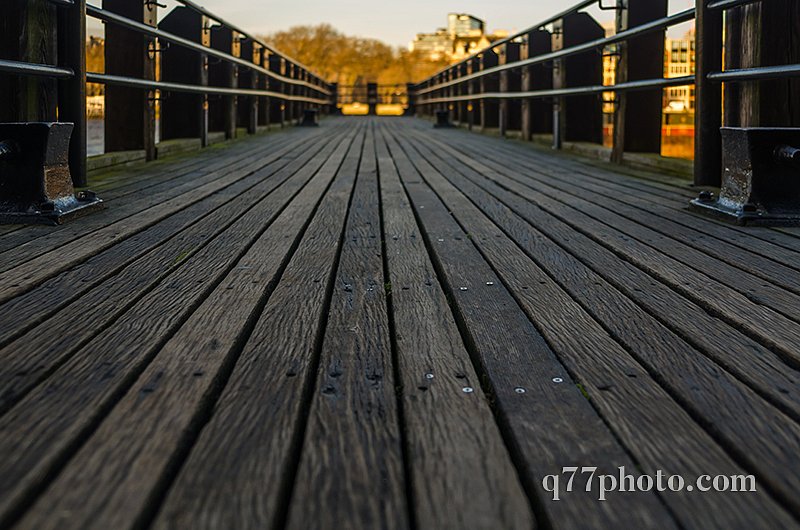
(679, 61)
(464, 35)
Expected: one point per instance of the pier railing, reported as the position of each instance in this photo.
(205, 73)
(548, 79)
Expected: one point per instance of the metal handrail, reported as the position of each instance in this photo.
(62, 3)
(203, 11)
(756, 74)
(114, 18)
(629, 86)
(554, 18)
(95, 77)
(730, 4)
(35, 69)
(672, 20)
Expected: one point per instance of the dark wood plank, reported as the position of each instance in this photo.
(350, 473)
(462, 474)
(50, 422)
(32, 355)
(764, 440)
(239, 472)
(117, 475)
(540, 404)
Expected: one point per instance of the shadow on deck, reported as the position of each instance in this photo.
(375, 324)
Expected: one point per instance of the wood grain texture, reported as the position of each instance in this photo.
(240, 469)
(462, 474)
(765, 439)
(350, 473)
(551, 423)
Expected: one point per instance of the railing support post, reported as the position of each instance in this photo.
(490, 83)
(223, 110)
(130, 117)
(185, 115)
(708, 112)
(509, 82)
(578, 118)
(372, 98)
(72, 91)
(263, 84)
(536, 113)
(637, 120)
(411, 110)
(248, 105)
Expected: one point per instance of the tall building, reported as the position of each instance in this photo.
(464, 35)
(679, 61)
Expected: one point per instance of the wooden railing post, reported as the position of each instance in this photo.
(578, 118)
(248, 78)
(708, 112)
(490, 116)
(637, 120)
(72, 91)
(263, 84)
(510, 81)
(185, 115)
(471, 68)
(372, 98)
(536, 113)
(276, 107)
(222, 113)
(130, 117)
(411, 110)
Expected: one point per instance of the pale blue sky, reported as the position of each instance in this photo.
(392, 22)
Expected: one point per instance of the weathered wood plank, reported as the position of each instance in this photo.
(39, 351)
(240, 470)
(50, 421)
(117, 475)
(539, 403)
(764, 439)
(350, 472)
(462, 474)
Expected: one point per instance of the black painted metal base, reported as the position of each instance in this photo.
(741, 216)
(55, 213)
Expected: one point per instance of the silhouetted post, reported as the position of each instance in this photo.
(772, 103)
(222, 114)
(411, 110)
(72, 91)
(372, 98)
(471, 68)
(708, 112)
(263, 84)
(185, 115)
(461, 90)
(637, 120)
(489, 83)
(510, 81)
(537, 114)
(578, 118)
(130, 117)
(247, 106)
(276, 107)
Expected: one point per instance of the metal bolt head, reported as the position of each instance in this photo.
(489, 283)
(705, 196)
(468, 390)
(428, 376)
(462, 288)
(520, 390)
(558, 380)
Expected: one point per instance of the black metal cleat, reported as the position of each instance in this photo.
(761, 178)
(442, 119)
(35, 182)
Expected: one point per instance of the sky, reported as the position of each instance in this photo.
(395, 23)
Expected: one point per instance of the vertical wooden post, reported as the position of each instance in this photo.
(510, 81)
(263, 84)
(537, 114)
(185, 115)
(372, 98)
(578, 118)
(222, 111)
(471, 67)
(411, 110)
(130, 112)
(276, 105)
(637, 120)
(774, 103)
(490, 117)
(708, 112)
(72, 91)
(247, 108)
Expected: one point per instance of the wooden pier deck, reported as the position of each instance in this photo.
(375, 324)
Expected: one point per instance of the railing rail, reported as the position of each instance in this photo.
(504, 75)
(269, 75)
